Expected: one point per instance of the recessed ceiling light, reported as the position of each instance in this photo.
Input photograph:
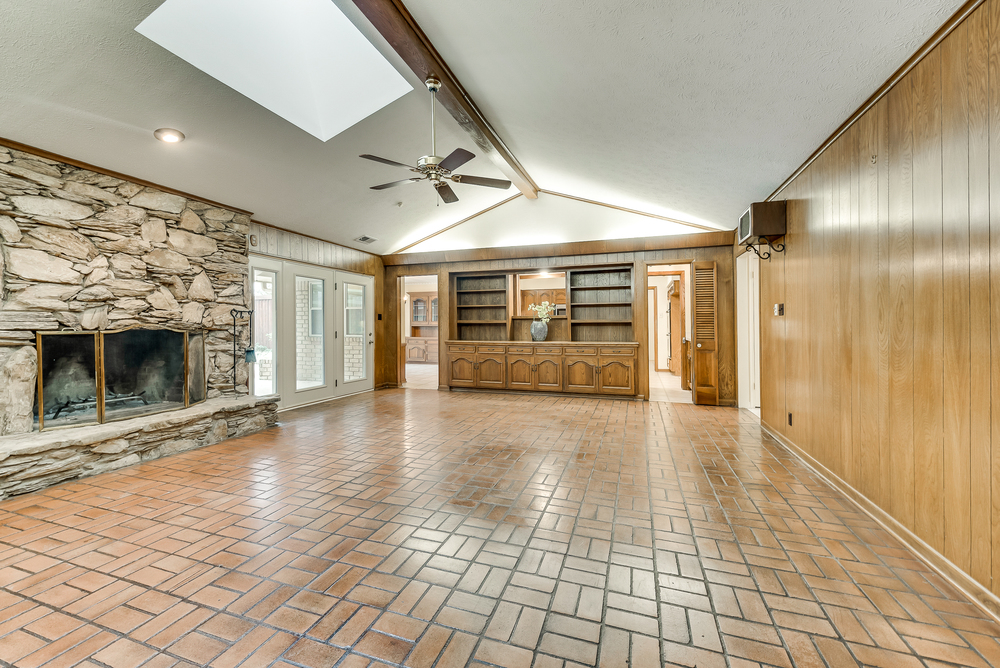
(169, 135)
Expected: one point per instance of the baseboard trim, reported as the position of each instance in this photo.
(982, 597)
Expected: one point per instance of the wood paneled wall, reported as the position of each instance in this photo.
(278, 243)
(888, 355)
(721, 254)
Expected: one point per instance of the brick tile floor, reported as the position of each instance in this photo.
(426, 529)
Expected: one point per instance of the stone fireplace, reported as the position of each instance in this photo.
(125, 274)
(89, 378)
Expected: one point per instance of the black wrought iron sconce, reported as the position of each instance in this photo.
(250, 353)
(766, 255)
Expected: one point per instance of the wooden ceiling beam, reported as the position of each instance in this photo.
(400, 30)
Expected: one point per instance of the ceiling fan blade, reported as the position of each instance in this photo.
(385, 161)
(446, 193)
(481, 181)
(396, 183)
(456, 159)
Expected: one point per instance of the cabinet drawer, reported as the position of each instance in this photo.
(490, 349)
(461, 349)
(548, 350)
(573, 350)
(618, 351)
(520, 349)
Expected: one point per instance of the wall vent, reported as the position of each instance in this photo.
(365, 239)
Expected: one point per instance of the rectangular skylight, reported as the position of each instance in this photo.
(301, 59)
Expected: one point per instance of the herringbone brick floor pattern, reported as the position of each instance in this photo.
(420, 528)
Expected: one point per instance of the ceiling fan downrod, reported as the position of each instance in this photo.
(433, 85)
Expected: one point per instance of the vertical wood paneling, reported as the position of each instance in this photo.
(955, 292)
(869, 457)
(928, 303)
(901, 499)
(892, 271)
(993, 88)
(978, 27)
(884, 298)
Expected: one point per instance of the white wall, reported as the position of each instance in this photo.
(748, 331)
(661, 285)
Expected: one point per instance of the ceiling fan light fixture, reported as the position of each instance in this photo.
(169, 135)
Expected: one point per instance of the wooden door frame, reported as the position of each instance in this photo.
(656, 326)
(650, 270)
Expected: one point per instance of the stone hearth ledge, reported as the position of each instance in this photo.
(33, 461)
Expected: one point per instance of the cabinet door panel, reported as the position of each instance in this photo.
(462, 371)
(548, 374)
(617, 376)
(416, 352)
(581, 374)
(519, 373)
(490, 371)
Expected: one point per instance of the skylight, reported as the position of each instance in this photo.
(301, 59)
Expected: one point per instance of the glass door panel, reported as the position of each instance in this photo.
(355, 348)
(264, 331)
(310, 339)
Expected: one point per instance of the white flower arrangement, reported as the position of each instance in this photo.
(543, 311)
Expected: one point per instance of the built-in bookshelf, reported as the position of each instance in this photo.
(481, 305)
(600, 304)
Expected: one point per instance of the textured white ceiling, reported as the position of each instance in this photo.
(689, 109)
(692, 109)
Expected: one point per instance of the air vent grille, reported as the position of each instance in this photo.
(365, 239)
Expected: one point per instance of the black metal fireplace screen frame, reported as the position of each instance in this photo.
(100, 390)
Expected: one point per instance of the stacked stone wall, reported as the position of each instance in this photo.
(86, 251)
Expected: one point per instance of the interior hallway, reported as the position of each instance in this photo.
(421, 377)
(665, 386)
(404, 528)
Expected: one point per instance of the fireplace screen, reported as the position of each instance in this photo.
(92, 378)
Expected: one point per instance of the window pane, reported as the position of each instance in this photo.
(264, 325)
(309, 336)
(355, 341)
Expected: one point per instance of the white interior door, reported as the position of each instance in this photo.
(306, 361)
(355, 338)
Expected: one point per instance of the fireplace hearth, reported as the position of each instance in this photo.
(97, 377)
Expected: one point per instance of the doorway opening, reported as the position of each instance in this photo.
(419, 332)
(748, 332)
(313, 331)
(669, 318)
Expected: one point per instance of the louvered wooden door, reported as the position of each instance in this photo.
(704, 339)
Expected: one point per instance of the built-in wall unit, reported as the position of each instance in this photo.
(315, 320)
(879, 321)
(597, 338)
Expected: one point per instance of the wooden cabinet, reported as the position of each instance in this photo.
(422, 342)
(552, 296)
(581, 374)
(421, 350)
(526, 371)
(472, 366)
(617, 376)
(544, 367)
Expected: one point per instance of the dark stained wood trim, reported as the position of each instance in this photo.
(454, 225)
(897, 76)
(307, 236)
(395, 23)
(698, 240)
(18, 146)
(697, 226)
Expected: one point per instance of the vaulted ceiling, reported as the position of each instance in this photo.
(684, 110)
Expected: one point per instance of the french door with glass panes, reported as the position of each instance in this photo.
(313, 331)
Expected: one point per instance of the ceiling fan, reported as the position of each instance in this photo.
(436, 169)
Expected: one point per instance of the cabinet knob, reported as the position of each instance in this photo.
(699, 345)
